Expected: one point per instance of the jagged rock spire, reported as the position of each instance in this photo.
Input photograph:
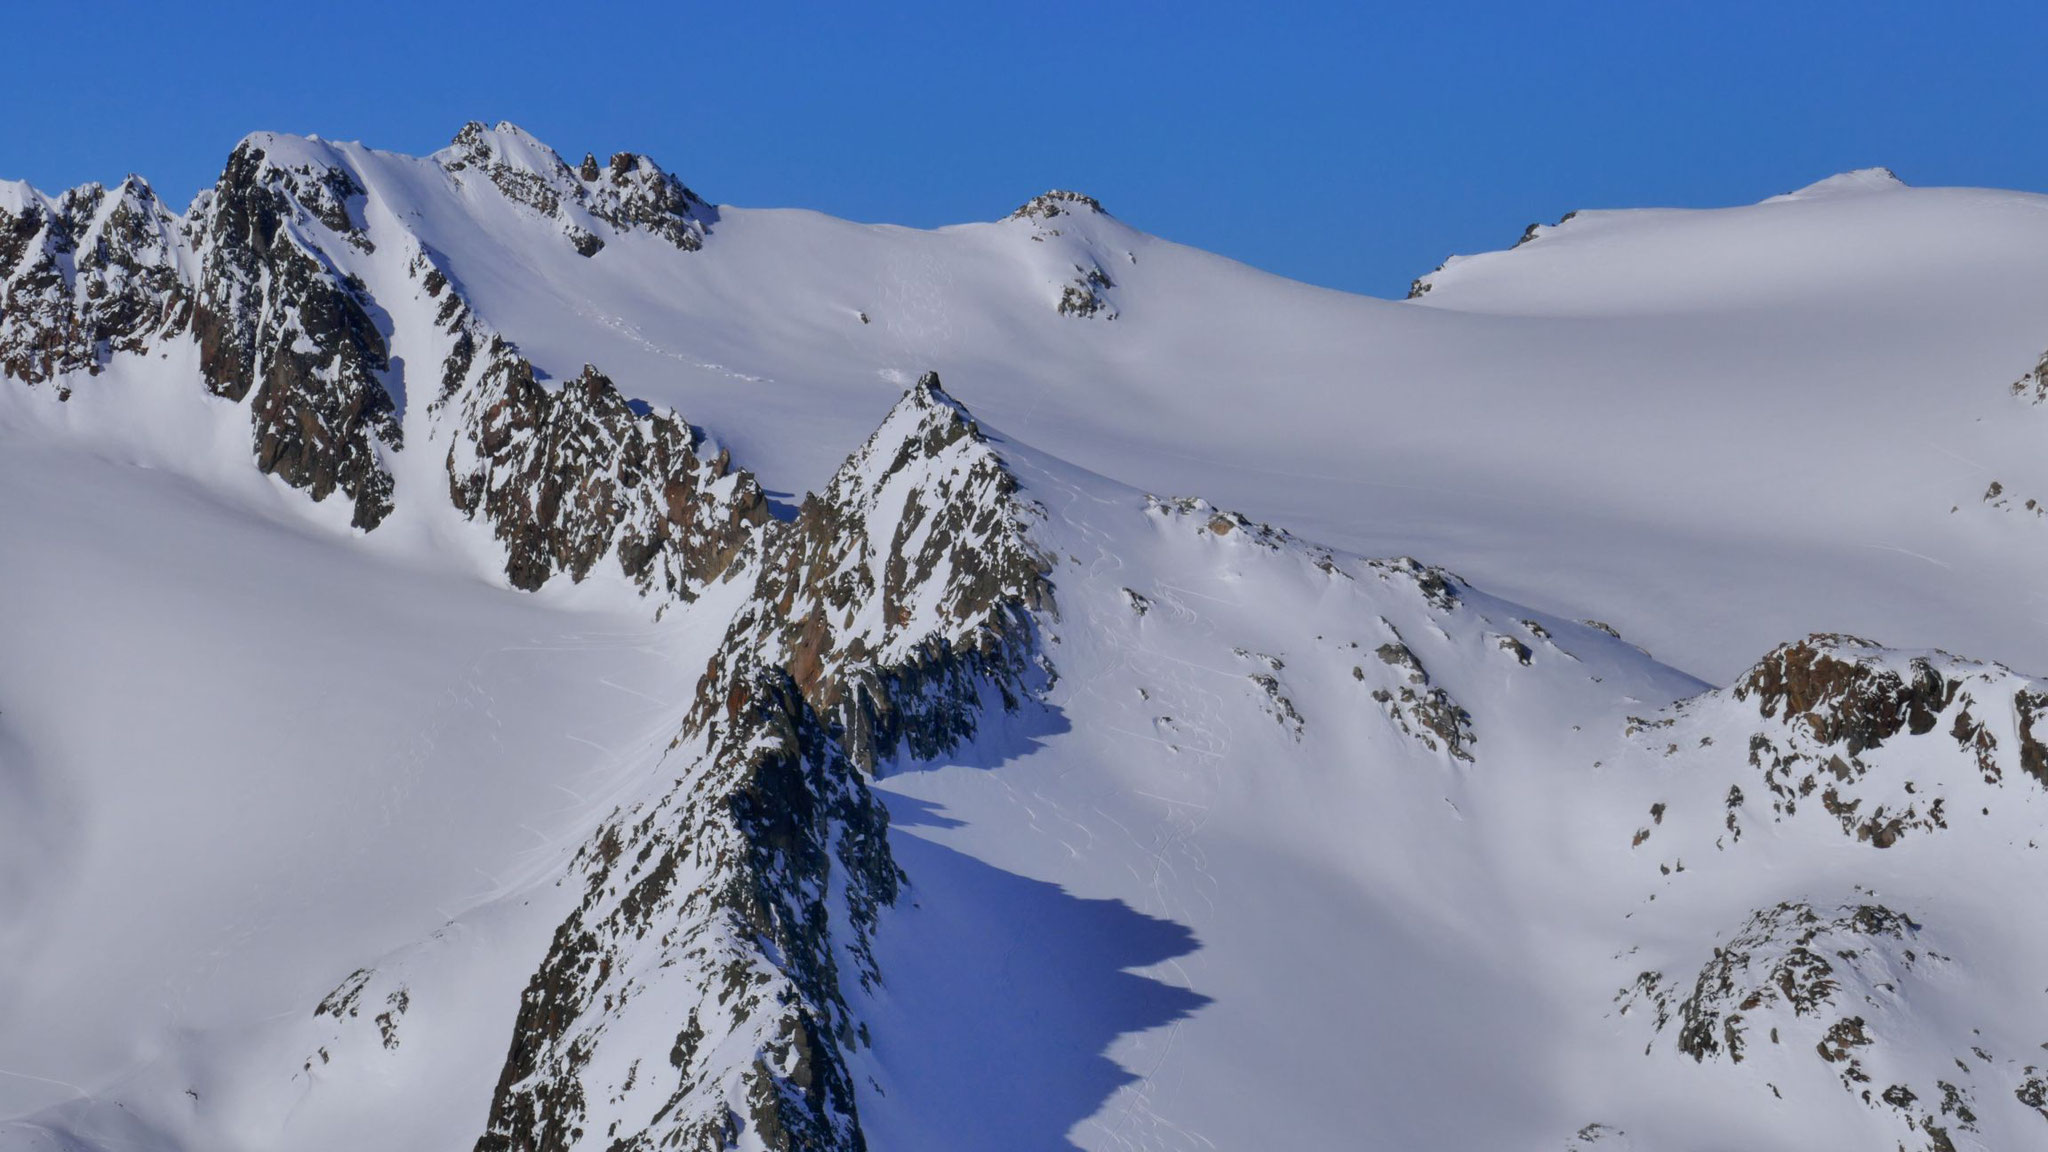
(887, 616)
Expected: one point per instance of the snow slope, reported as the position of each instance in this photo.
(1228, 837)
(1682, 419)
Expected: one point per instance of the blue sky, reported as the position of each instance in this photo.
(1353, 145)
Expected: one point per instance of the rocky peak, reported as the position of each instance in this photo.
(272, 180)
(249, 275)
(1058, 202)
(566, 477)
(524, 169)
(1079, 266)
(132, 218)
(634, 192)
(506, 146)
(280, 325)
(631, 193)
(896, 607)
(84, 276)
(917, 552)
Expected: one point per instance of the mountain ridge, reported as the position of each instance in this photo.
(975, 798)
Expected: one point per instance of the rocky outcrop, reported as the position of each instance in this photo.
(734, 907)
(1084, 283)
(1058, 202)
(2033, 387)
(1883, 744)
(1084, 295)
(1824, 737)
(279, 325)
(84, 277)
(1838, 689)
(1786, 958)
(569, 476)
(1831, 705)
(245, 275)
(1834, 980)
(1420, 709)
(1394, 678)
(631, 193)
(255, 275)
(367, 996)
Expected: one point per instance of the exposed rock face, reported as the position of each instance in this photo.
(1836, 701)
(97, 274)
(1833, 979)
(88, 275)
(1841, 698)
(255, 276)
(1423, 711)
(278, 325)
(1786, 958)
(908, 584)
(632, 192)
(721, 913)
(1058, 202)
(733, 906)
(1083, 296)
(566, 477)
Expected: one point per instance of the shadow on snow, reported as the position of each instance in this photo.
(1002, 995)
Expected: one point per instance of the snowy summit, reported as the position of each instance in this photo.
(509, 654)
(1846, 183)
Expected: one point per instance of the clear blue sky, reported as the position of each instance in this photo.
(1353, 145)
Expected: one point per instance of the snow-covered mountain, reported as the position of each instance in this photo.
(507, 654)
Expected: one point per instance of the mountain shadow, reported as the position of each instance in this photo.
(1002, 998)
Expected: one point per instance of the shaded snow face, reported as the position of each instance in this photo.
(976, 799)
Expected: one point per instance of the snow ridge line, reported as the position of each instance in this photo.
(732, 906)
